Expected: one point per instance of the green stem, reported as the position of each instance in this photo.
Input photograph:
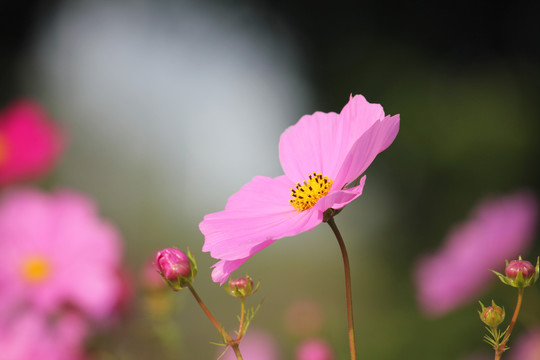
(228, 339)
(350, 319)
(205, 309)
(242, 319)
(501, 348)
(236, 349)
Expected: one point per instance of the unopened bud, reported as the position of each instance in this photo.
(519, 273)
(492, 315)
(176, 268)
(515, 266)
(241, 287)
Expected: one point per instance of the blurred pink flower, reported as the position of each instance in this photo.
(526, 347)
(34, 336)
(304, 318)
(256, 345)
(498, 229)
(321, 155)
(29, 142)
(314, 349)
(56, 251)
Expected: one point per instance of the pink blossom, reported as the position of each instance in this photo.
(526, 347)
(498, 229)
(29, 143)
(56, 251)
(256, 345)
(304, 317)
(321, 156)
(314, 349)
(34, 336)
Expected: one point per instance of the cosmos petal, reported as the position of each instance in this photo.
(321, 142)
(233, 233)
(224, 268)
(338, 199)
(379, 136)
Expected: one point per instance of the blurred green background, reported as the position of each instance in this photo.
(171, 106)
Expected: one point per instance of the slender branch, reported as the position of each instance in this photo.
(236, 350)
(205, 309)
(242, 319)
(348, 293)
(232, 343)
(499, 351)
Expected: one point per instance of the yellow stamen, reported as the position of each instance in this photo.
(306, 195)
(3, 149)
(35, 269)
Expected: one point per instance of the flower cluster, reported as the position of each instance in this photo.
(60, 264)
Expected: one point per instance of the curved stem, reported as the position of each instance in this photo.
(499, 351)
(350, 319)
(232, 343)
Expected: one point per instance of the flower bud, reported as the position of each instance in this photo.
(176, 268)
(241, 287)
(519, 273)
(515, 266)
(492, 315)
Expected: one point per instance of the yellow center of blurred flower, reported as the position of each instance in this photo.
(3, 149)
(305, 195)
(35, 269)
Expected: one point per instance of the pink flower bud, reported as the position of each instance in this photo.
(240, 283)
(492, 315)
(515, 266)
(176, 268)
(241, 287)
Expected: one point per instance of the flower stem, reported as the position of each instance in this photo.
(236, 350)
(204, 308)
(350, 319)
(501, 349)
(226, 336)
(242, 319)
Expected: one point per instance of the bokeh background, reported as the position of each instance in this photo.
(171, 106)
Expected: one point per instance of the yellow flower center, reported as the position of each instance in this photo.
(3, 149)
(35, 269)
(307, 194)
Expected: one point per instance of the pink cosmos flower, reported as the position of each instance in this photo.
(321, 156)
(314, 349)
(34, 336)
(29, 142)
(498, 229)
(56, 251)
(527, 346)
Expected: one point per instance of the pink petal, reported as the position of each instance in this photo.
(259, 212)
(320, 142)
(376, 139)
(360, 115)
(224, 268)
(338, 199)
(312, 145)
(498, 229)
